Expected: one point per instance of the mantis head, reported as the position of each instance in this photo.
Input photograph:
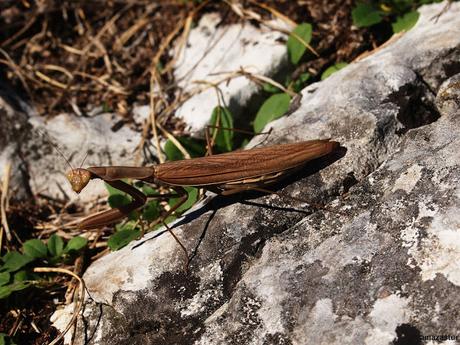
(78, 178)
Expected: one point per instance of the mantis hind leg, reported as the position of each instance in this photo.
(182, 194)
(240, 189)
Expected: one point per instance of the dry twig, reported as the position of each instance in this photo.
(78, 306)
(4, 204)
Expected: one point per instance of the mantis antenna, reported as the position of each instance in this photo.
(84, 159)
(56, 147)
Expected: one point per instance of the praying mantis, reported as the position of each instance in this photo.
(225, 174)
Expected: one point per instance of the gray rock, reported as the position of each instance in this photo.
(37, 149)
(92, 139)
(383, 261)
(13, 137)
(379, 262)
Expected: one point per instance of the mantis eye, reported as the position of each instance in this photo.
(78, 179)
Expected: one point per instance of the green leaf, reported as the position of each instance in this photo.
(406, 22)
(106, 108)
(6, 340)
(192, 198)
(55, 245)
(14, 261)
(193, 146)
(131, 225)
(5, 291)
(113, 191)
(118, 200)
(117, 197)
(4, 278)
(332, 69)
(270, 88)
(151, 210)
(365, 15)
(17, 286)
(20, 276)
(148, 189)
(172, 152)
(274, 107)
(223, 118)
(76, 244)
(35, 248)
(301, 82)
(244, 142)
(295, 48)
(121, 238)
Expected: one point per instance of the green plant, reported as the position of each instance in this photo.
(296, 48)
(332, 69)
(6, 340)
(126, 232)
(222, 117)
(405, 22)
(195, 148)
(274, 107)
(401, 14)
(15, 268)
(365, 15)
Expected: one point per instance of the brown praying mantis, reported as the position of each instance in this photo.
(225, 174)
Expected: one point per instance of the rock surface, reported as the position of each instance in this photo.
(37, 149)
(380, 263)
(13, 135)
(95, 139)
(384, 261)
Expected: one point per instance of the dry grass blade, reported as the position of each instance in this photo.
(181, 42)
(126, 36)
(50, 81)
(153, 118)
(78, 306)
(4, 203)
(101, 81)
(17, 71)
(59, 69)
(274, 12)
(166, 43)
(229, 75)
(85, 50)
(26, 27)
(247, 14)
(301, 40)
(174, 141)
(257, 77)
(186, 26)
